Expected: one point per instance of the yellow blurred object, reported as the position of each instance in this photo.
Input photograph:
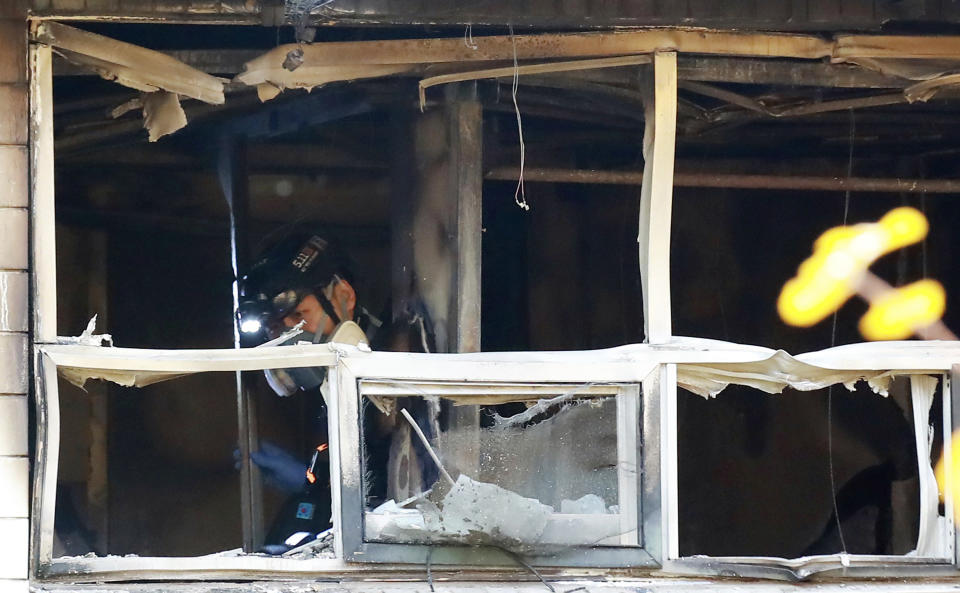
(897, 314)
(840, 256)
(939, 472)
(903, 226)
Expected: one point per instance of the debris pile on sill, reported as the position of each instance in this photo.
(479, 513)
(506, 507)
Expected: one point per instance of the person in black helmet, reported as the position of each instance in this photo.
(305, 281)
(304, 278)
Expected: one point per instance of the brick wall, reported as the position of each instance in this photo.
(14, 283)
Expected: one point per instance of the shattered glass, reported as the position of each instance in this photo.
(519, 477)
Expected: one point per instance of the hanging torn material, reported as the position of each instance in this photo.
(773, 375)
(162, 114)
(161, 78)
(138, 367)
(271, 74)
(131, 65)
(527, 69)
(80, 376)
(931, 541)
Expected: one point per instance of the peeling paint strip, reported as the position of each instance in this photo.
(527, 69)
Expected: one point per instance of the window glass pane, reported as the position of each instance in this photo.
(522, 477)
(155, 471)
(768, 475)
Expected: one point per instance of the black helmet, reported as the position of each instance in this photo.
(300, 264)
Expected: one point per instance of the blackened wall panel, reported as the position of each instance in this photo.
(857, 10)
(823, 11)
(797, 15)
(950, 9)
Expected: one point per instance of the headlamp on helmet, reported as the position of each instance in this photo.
(299, 265)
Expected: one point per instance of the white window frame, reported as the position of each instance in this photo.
(638, 424)
(655, 367)
(556, 367)
(839, 564)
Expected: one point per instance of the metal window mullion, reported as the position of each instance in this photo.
(667, 394)
(345, 446)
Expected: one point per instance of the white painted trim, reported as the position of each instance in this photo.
(666, 384)
(628, 463)
(189, 361)
(42, 214)
(656, 198)
(333, 439)
(625, 363)
(381, 365)
(47, 464)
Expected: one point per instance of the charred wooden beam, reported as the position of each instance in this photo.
(263, 158)
(771, 14)
(735, 181)
(782, 72)
(130, 65)
(696, 68)
(114, 220)
(211, 61)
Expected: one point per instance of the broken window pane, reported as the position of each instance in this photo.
(134, 458)
(537, 466)
(809, 473)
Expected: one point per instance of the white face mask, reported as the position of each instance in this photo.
(286, 382)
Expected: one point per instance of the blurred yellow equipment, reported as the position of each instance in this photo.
(897, 314)
(940, 473)
(841, 256)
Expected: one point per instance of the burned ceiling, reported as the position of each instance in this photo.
(810, 15)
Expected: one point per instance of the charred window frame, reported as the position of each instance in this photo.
(99, 362)
(638, 442)
(49, 355)
(656, 452)
(659, 503)
(842, 564)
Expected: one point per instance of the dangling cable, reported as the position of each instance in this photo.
(923, 208)
(520, 195)
(430, 568)
(833, 342)
(519, 560)
(468, 38)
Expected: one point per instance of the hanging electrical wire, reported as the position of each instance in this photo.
(520, 195)
(833, 342)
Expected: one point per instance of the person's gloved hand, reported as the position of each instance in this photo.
(280, 469)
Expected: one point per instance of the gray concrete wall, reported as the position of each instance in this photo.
(14, 336)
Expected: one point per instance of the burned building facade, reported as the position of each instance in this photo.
(586, 212)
